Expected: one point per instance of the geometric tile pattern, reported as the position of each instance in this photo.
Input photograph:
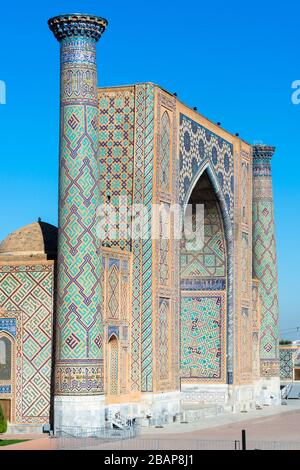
(29, 289)
(244, 191)
(9, 325)
(201, 149)
(210, 261)
(147, 319)
(286, 363)
(142, 350)
(163, 339)
(164, 262)
(198, 284)
(244, 263)
(164, 153)
(198, 146)
(164, 251)
(115, 271)
(245, 346)
(264, 252)
(166, 256)
(264, 264)
(202, 326)
(116, 132)
(255, 331)
(79, 322)
(116, 266)
(113, 292)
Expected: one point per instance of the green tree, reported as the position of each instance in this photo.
(3, 422)
(285, 342)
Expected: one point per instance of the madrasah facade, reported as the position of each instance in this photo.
(141, 326)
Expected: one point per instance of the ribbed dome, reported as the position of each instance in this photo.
(34, 241)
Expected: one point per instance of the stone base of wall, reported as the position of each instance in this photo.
(13, 428)
(79, 411)
(268, 391)
(153, 408)
(205, 393)
(193, 403)
(243, 398)
(263, 392)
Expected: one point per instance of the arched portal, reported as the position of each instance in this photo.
(204, 276)
(113, 366)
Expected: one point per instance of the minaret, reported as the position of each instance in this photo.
(79, 356)
(264, 259)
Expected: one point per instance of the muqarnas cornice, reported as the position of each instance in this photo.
(262, 156)
(77, 25)
(263, 152)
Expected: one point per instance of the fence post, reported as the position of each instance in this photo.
(243, 439)
(237, 445)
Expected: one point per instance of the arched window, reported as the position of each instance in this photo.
(5, 358)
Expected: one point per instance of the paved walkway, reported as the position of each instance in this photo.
(38, 442)
(280, 423)
(212, 422)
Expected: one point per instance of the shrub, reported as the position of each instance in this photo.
(3, 422)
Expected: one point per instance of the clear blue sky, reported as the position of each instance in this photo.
(234, 60)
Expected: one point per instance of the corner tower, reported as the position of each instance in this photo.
(79, 341)
(264, 259)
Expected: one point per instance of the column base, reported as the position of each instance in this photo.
(79, 411)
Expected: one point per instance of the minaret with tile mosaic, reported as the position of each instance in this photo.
(79, 328)
(264, 258)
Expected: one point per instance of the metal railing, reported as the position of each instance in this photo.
(273, 445)
(129, 438)
(139, 443)
(173, 444)
(78, 437)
